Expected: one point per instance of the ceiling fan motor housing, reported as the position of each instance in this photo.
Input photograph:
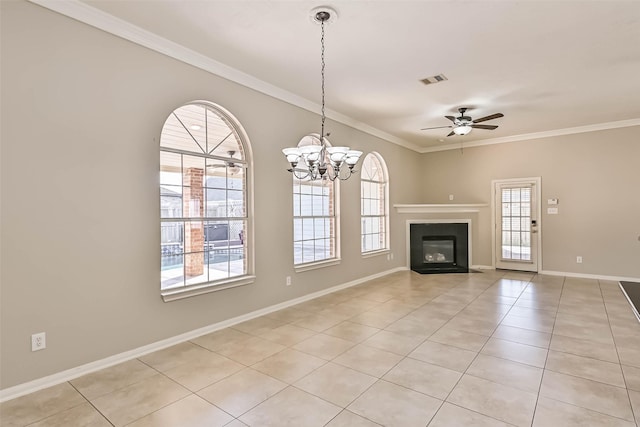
(462, 120)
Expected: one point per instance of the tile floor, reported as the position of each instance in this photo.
(482, 349)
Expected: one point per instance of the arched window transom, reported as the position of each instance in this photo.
(205, 226)
(374, 204)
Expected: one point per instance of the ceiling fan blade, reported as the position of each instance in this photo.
(491, 117)
(487, 127)
(452, 133)
(438, 127)
(453, 119)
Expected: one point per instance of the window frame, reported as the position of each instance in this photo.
(384, 218)
(334, 198)
(188, 290)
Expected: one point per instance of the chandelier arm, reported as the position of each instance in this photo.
(297, 175)
(331, 176)
(347, 174)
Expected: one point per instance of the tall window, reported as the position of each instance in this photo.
(314, 216)
(374, 204)
(203, 199)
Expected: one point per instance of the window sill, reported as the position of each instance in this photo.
(375, 253)
(315, 265)
(204, 288)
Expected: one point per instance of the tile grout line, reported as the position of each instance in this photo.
(423, 341)
(546, 359)
(582, 378)
(90, 403)
(442, 291)
(407, 356)
(445, 400)
(624, 378)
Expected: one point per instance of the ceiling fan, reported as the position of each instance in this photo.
(230, 164)
(462, 125)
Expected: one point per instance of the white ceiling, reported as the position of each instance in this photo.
(547, 65)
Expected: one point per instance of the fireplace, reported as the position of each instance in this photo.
(439, 247)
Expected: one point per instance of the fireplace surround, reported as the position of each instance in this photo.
(439, 247)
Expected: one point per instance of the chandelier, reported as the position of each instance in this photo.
(322, 161)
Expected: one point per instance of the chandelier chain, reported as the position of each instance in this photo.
(317, 161)
(322, 76)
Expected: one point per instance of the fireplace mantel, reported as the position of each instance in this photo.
(440, 208)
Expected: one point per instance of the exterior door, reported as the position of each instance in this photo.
(517, 224)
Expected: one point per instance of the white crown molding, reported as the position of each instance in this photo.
(96, 18)
(536, 135)
(89, 15)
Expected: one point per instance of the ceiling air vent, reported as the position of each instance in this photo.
(434, 79)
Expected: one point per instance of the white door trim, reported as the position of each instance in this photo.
(538, 183)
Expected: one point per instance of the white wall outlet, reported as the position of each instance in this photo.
(38, 341)
(579, 259)
(450, 196)
(552, 211)
(391, 255)
(288, 281)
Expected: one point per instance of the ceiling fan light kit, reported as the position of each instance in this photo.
(463, 125)
(462, 129)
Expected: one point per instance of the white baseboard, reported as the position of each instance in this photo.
(589, 276)
(569, 274)
(482, 267)
(70, 374)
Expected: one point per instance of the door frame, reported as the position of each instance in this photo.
(538, 194)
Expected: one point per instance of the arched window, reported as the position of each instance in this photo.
(204, 202)
(314, 216)
(374, 204)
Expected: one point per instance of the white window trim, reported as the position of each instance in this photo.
(236, 281)
(313, 265)
(205, 288)
(377, 252)
(316, 265)
(387, 242)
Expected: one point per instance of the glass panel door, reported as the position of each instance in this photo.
(516, 225)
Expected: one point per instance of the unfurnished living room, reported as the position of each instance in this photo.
(300, 213)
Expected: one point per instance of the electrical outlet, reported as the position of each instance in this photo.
(38, 341)
(450, 196)
(391, 255)
(579, 259)
(288, 281)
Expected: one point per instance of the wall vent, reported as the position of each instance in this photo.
(434, 79)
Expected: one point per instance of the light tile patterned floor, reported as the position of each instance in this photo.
(482, 349)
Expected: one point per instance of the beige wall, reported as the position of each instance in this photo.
(595, 176)
(82, 111)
